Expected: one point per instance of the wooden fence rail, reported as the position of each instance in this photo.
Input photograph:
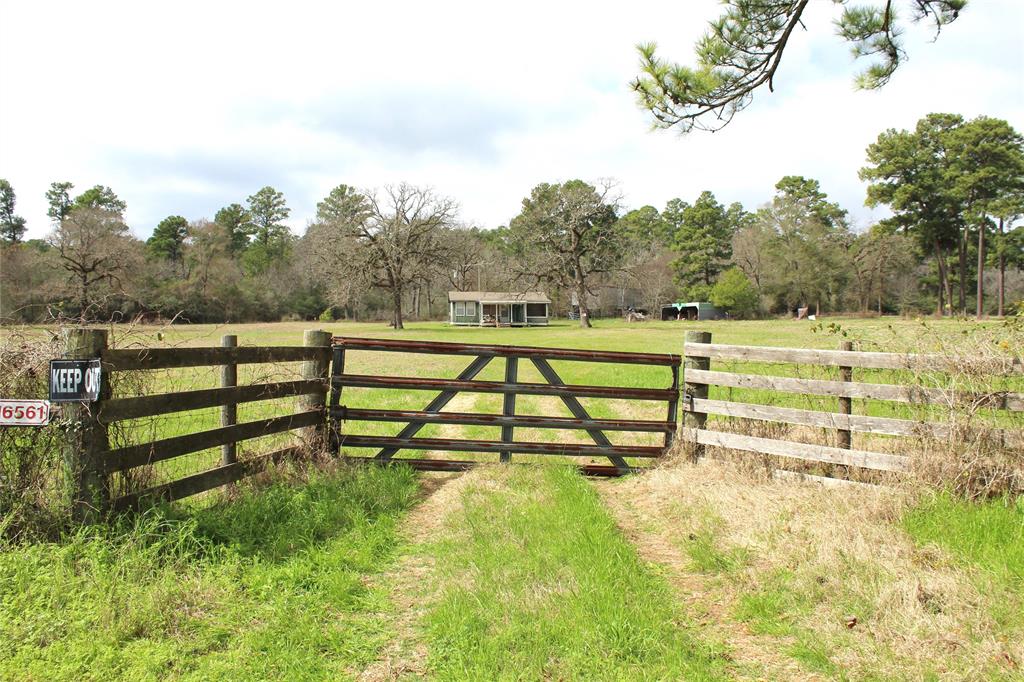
(175, 358)
(697, 406)
(92, 460)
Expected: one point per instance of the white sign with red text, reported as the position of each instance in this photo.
(24, 412)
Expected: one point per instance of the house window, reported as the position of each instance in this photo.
(460, 309)
(536, 310)
(470, 308)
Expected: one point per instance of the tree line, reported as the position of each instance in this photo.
(955, 189)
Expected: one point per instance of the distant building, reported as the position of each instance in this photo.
(593, 305)
(609, 301)
(498, 308)
(690, 311)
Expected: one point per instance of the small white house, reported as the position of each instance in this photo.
(498, 308)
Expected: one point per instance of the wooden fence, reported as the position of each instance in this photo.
(699, 376)
(92, 461)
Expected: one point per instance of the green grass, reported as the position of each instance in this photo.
(777, 607)
(813, 654)
(704, 548)
(985, 538)
(988, 535)
(271, 585)
(538, 583)
(774, 606)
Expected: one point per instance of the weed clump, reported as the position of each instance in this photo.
(974, 380)
(32, 491)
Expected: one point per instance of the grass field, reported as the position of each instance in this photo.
(537, 583)
(854, 584)
(686, 572)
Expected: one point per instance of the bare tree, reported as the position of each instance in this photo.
(390, 240)
(27, 281)
(95, 248)
(467, 254)
(654, 278)
(566, 233)
(875, 256)
(750, 253)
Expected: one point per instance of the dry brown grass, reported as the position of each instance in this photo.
(829, 555)
(708, 608)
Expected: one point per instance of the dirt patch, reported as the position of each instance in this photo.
(410, 582)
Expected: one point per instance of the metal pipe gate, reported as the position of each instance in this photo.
(447, 389)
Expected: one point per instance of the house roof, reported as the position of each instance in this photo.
(696, 304)
(500, 296)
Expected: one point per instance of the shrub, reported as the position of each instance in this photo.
(735, 293)
(981, 456)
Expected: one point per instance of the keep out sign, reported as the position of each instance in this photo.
(74, 381)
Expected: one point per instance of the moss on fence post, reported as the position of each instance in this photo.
(85, 440)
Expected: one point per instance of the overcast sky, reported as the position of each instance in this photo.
(185, 107)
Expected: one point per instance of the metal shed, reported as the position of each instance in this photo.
(694, 310)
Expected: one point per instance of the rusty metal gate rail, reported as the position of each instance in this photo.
(508, 421)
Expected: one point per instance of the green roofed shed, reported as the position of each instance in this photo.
(695, 310)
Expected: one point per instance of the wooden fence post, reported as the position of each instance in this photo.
(694, 390)
(844, 436)
(229, 413)
(86, 438)
(315, 437)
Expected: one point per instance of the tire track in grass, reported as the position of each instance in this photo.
(758, 656)
(410, 582)
(797, 574)
(531, 579)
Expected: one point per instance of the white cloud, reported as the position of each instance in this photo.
(187, 107)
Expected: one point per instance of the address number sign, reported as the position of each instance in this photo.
(24, 412)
